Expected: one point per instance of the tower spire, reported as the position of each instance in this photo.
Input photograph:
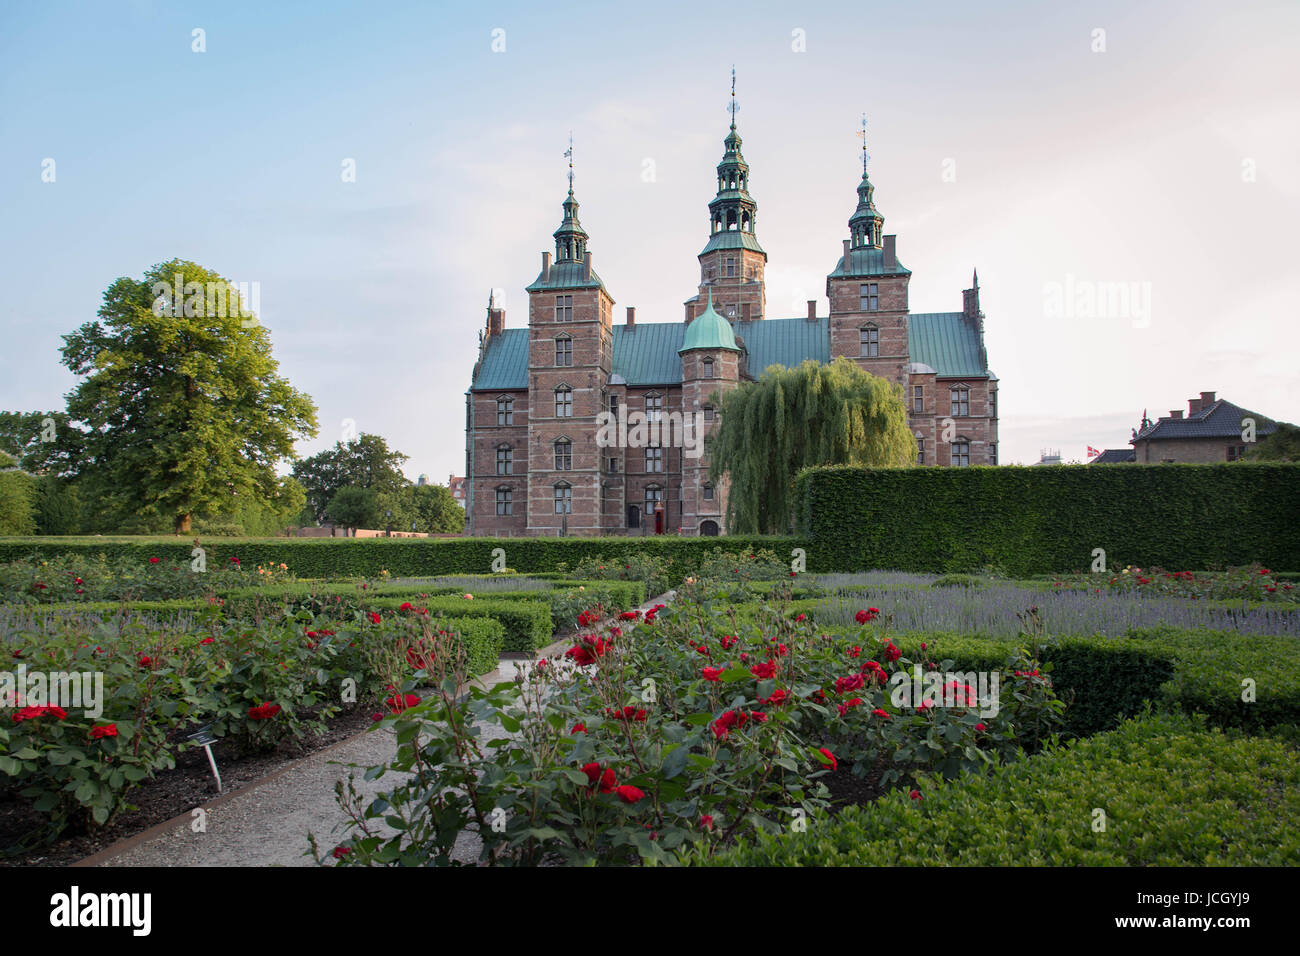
(866, 222)
(733, 106)
(569, 155)
(570, 238)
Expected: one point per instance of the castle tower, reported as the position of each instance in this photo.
(868, 292)
(570, 354)
(732, 263)
(710, 367)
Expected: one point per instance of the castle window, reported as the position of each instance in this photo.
(505, 501)
(960, 401)
(564, 402)
(1236, 452)
(731, 268)
(961, 453)
(563, 454)
(708, 492)
(993, 453)
(869, 297)
(868, 341)
(918, 399)
(744, 222)
(920, 451)
(654, 496)
(563, 498)
(708, 368)
(654, 405)
(505, 460)
(654, 459)
(613, 404)
(613, 466)
(993, 404)
(564, 308)
(505, 411)
(563, 351)
(708, 413)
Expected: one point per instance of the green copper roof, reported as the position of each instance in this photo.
(733, 239)
(784, 342)
(505, 363)
(866, 262)
(948, 342)
(709, 331)
(566, 275)
(646, 354)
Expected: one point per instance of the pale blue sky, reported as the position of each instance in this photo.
(1071, 166)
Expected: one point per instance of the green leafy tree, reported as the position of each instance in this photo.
(792, 418)
(355, 507)
(181, 401)
(58, 504)
(364, 462)
(44, 443)
(1281, 445)
(436, 510)
(17, 499)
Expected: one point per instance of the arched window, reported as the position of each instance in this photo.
(563, 498)
(869, 341)
(564, 402)
(563, 351)
(731, 220)
(563, 454)
(505, 460)
(505, 410)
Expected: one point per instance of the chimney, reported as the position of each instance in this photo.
(586, 265)
(1207, 398)
(631, 316)
(1193, 406)
(1176, 413)
(496, 321)
(890, 255)
(546, 266)
(812, 310)
(846, 254)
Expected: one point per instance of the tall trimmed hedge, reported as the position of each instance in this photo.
(404, 557)
(1033, 520)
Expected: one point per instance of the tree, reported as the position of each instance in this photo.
(1281, 445)
(792, 418)
(436, 511)
(181, 402)
(354, 507)
(364, 462)
(17, 498)
(44, 443)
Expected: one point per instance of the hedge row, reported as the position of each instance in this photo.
(1172, 793)
(483, 639)
(1032, 520)
(405, 557)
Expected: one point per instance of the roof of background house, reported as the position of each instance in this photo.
(1219, 419)
(1115, 456)
(646, 353)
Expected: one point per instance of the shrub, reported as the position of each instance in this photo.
(1174, 793)
(1034, 519)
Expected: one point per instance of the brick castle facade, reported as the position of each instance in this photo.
(534, 464)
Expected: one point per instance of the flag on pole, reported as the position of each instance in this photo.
(1093, 452)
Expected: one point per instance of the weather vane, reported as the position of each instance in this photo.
(863, 133)
(569, 155)
(733, 105)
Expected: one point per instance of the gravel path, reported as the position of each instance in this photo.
(266, 824)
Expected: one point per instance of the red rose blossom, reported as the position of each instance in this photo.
(829, 756)
(107, 730)
(629, 794)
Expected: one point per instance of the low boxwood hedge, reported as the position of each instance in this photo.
(1169, 791)
(483, 639)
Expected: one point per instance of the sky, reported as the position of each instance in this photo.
(1071, 152)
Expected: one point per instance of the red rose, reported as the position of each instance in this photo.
(778, 697)
(853, 682)
(629, 794)
(915, 794)
(848, 705)
(592, 770)
(712, 673)
(727, 641)
(883, 714)
(980, 727)
(891, 652)
(829, 756)
(800, 617)
(608, 781)
(208, 640)
(374, 617)
(341, 851)
(855, 651)
(406, 606)
(706, 821)
(722, 726)
(578, 729)
(765, 670)
(264, 712)
(153, 560)
(398, 704)
(107, 730)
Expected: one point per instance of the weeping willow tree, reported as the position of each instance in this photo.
(792, 418)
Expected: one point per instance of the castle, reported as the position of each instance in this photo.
(534, 464)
